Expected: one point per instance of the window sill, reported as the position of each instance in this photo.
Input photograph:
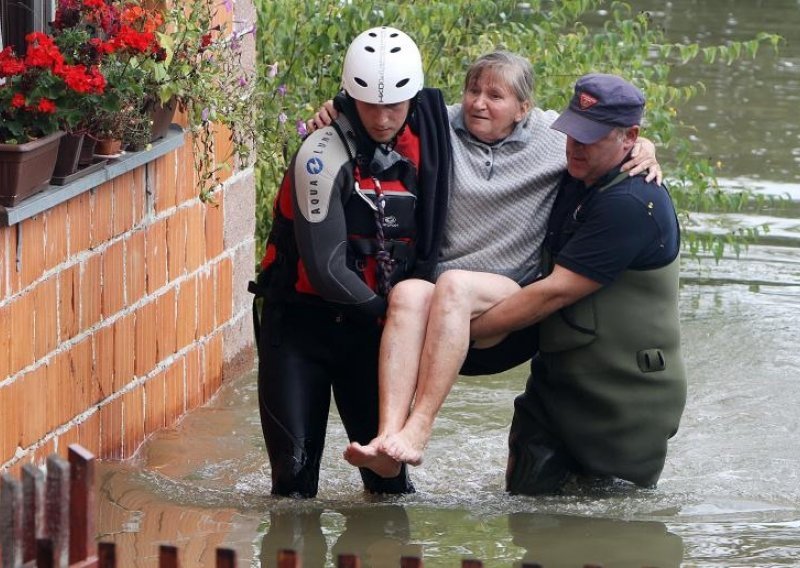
(54, 195)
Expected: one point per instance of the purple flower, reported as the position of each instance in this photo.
(228, 5)
(282, 117)
(273, 70)
(301, 128)
(282, 90)
(204, 114)
(242, 81)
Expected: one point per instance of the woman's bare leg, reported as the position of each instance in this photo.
(401, 349)
(459, 297)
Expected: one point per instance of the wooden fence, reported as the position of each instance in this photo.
(47, 521)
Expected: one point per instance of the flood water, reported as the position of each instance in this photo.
(730, 492)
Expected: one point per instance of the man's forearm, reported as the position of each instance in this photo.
(533, 303)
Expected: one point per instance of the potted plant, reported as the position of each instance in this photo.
(37, 98)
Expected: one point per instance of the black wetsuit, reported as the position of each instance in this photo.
(324, 284)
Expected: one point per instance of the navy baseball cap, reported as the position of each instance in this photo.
(600, 104)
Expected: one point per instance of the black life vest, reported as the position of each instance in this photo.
(283, 276)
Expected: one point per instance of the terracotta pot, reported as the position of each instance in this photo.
(25, 169)
(108, 147)
(69, 153)
(161, 115)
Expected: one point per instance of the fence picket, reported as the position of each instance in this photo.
(10, 521)
(410, 562)
(289, 559)
(32, 509)
(106, 555)
(348, 561)
(57, 509)
(81, 495)
(168, 556)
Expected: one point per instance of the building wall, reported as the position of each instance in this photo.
(121, 309)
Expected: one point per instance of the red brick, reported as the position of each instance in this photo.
(79, 210)
(173, 382)
(89, 433)
(133, 421)
(139, 197)
(21, 332)
(33, 418)
(113, 296)
(187, 313)
(154, 393)
(5, 262)
(84, 388)
(103, 350)
(176, 243)
(215, 226)
(55, 248)
(166, 338)
(206, 302)
(212, 365)
(196, 241)
(32, 247)
(223, 275)
(146, 331)
(68, 302)
(194, 377)
(164, 182)
(223, 150)
(102, 215)
(45, 313)
(111, 430)
(10, 411)
(187, 182)
(13, 274)
(156, 259)
(135, 274)
(57, 402)
(122, 189)
(124, 351)
(5, 342)
(90, 291)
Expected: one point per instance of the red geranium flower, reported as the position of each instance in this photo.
(46, 106)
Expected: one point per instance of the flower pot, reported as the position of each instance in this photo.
(69, 153)
(161, 115)
(108, 147)
(87, 151)
(25, 169)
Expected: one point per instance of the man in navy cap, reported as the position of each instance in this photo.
(608, 388)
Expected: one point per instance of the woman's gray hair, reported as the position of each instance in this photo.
(515, 70)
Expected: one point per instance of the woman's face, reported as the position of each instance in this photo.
(491, 110)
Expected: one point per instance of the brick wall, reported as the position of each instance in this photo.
(121, 309)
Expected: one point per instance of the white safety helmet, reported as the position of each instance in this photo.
(382, 66)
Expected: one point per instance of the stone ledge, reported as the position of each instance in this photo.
(56, 194)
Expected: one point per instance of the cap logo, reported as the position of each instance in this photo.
(586, 101)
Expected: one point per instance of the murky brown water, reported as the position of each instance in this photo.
(730, 493)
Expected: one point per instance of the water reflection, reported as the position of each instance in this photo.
(560, 540)
(378, 535)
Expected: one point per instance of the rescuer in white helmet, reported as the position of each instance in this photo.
(361, 207)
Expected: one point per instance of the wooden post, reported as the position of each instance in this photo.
(106, 555)
(226, 558)
(81, 497)
(348, 561)
(57, 509)
(10, 521)
(531, 565)
(33, 509)
(45, 553)
(410, 562)
(471, 563)
(168, 557)
(289, 559)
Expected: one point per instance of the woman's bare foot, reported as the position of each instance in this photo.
(370, 457)
(406, 446)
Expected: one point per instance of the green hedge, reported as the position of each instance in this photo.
(301, 45)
